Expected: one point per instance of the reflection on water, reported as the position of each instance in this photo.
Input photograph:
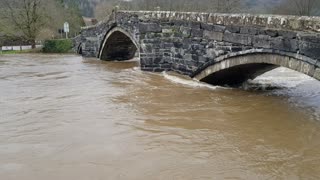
(64, 117)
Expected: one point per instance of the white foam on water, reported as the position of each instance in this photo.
(187, 82)
(283, 77)
(136, 68)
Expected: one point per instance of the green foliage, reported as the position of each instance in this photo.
(57, 46)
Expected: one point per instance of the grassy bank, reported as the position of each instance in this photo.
(21, 52)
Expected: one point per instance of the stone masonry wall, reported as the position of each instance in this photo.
(189, 42)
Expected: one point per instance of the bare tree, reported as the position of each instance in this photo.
(229, 6)
(306, 7)
(299, 7)
(27, 16)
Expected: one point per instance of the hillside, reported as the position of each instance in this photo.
(262, 6)
(259, 3)
(87, 7)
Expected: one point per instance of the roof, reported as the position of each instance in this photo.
(89, 21)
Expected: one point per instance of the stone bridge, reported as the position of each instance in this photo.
(214, 48)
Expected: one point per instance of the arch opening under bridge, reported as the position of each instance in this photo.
(118, 45)
(235, 70)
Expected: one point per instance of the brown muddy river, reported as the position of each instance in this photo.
(63, 117)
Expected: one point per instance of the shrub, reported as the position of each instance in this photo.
(57, 46)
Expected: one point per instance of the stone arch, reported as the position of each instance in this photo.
(118, 45)
(234, 69)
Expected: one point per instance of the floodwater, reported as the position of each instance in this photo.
(63, 117)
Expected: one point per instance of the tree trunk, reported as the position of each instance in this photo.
(33, 44)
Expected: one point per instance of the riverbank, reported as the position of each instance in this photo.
(60, 46)
(37, 50)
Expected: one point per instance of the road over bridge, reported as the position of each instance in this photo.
(214, 48)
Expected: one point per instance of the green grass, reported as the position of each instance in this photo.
(20, 52)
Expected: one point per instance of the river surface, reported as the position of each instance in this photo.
(63, 117)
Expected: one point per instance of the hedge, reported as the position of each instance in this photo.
(57, 46)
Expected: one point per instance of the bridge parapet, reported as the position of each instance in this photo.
(284, 22)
